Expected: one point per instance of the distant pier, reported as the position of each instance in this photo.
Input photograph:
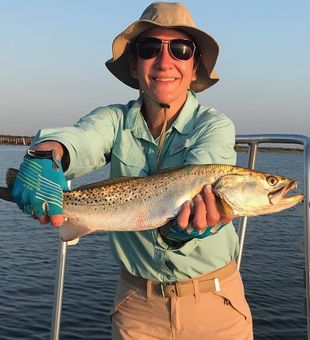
(19, 140)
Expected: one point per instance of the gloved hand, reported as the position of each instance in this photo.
(39, 185)
(175, 233)
(198, 218)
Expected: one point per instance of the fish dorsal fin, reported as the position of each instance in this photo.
(105, 182)
(122, 179)
(172, 169)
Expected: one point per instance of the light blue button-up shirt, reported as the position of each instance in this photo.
(119, 134)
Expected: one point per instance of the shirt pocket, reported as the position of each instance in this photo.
(128, 159)
(177, 153)
(232, 293)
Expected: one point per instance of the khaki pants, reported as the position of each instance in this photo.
(225, 314)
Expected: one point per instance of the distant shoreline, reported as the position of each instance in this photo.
(15, 140)
(273, 149)
(26, 140)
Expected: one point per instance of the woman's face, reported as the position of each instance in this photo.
(163, 78)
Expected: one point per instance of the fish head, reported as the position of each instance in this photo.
(252, 193)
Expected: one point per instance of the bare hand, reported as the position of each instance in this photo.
(202, 213)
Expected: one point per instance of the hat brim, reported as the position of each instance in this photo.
(207, 46)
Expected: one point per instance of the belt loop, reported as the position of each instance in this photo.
(217, 285)
(162, 289)
(178, 289)
(149, 289)
(196, 289)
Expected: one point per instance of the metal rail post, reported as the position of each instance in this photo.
(59, 284)
(244, 220)
(307, 229)
(289, 139)
(58, 291)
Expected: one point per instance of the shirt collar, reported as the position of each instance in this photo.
(183, 123)
(135, 121)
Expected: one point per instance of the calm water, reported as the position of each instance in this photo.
(272, 269)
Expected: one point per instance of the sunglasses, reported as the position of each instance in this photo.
(180, 49)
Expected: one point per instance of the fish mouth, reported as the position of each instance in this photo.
(280, 195)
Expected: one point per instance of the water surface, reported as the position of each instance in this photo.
(272, 269)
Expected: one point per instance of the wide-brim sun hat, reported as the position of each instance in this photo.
(167, 15)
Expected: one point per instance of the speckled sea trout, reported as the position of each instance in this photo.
(141, 203)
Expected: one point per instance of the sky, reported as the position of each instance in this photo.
(53, 55)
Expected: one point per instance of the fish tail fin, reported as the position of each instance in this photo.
(6, 193)
(69, 232)
(10, 177)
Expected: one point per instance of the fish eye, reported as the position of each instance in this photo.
(271, 180)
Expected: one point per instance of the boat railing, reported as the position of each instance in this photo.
(252, 141)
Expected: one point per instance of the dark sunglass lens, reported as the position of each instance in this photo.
(148, 48)
(182, 49)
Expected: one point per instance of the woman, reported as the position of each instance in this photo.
(179, 281)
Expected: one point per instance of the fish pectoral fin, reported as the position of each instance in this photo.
(69, 232)
(224, 208)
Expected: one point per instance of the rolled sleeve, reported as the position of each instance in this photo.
(89, 141)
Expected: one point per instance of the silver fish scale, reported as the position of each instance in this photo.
(135, 204)
(120, 193)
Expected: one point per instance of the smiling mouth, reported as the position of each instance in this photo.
(163, 80)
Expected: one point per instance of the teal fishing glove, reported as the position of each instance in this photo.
(40, 183)
(176, 233)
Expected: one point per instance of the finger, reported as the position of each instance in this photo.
(17, 196)
(43, 219)
(225, 220)
(39, 208)
(34, 216)
(42, 212)
(184, 214)
(57, 220)
(20, 205)
(192, 206)
(213, 216)
(25, 203)
(28, 209)
(200, 217)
